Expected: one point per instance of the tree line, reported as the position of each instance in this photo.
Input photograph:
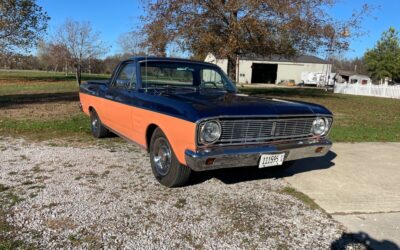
(227, 28)
(48, 60)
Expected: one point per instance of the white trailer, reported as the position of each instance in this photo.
(360, 79)
(317, 78)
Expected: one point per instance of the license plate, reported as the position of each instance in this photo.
(269, 160)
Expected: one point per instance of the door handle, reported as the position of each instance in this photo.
(108, 96)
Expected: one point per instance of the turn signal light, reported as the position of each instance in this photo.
(319, 149)
(210, 161)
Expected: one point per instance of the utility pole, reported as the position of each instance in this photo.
(237, 69)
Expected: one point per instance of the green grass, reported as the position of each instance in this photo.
(356, 118)
(43, 76)
(42, 87)
(26, 82)
(302, 197)
(75, 125)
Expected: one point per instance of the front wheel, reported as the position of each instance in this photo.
(166, 167)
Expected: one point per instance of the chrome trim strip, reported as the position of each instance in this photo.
(265, 139)
(243, 117)
(242, 156)
(126, 138)
(272, 142)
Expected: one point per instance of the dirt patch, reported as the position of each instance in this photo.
(42, 111)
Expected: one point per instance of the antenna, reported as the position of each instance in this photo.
(146, 72)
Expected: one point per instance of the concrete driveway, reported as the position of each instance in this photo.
(359, 185)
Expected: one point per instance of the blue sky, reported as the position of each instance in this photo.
(115, 17)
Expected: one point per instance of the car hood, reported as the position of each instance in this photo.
(212, 104)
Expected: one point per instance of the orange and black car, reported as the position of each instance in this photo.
(190, 117)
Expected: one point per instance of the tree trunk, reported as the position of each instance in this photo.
(232, 68)
(78, 74)
(66, 69)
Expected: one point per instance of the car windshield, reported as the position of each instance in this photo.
(156, 74)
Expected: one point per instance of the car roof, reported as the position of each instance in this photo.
(168, 59)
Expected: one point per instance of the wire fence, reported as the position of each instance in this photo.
(368, 90)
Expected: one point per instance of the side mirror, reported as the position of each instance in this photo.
(104, 83)
(120, 82)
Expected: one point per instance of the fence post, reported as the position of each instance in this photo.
(370, 89)
(385, 90)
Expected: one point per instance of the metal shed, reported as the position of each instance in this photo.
(252, 69)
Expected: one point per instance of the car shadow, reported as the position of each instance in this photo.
(243, 174)
(9, 100)
(347, 240)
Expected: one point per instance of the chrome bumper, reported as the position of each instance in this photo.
(242, 156)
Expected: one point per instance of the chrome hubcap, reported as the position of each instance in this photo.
(162, 156)
(94, 124)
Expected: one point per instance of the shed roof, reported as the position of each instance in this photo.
(278, 58)
(346, 72)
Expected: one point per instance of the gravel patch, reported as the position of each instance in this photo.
(107, 197)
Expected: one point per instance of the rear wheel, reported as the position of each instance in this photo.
(98, 129)
(166, 167)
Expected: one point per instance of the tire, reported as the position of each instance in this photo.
(98, 129)
(166, 167)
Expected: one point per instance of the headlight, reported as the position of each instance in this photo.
(209, 132)
(320, 126)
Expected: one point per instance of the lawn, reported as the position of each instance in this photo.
(28, 82)
(43, 76)
(44, 105)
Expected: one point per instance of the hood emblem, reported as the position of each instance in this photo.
(275, 131)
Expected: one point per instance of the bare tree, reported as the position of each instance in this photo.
(82, 43)
(112, 61)
(55, 56)
(61, 57)
(43, 53)
(22, 22)
(133, 43)
(228, 28)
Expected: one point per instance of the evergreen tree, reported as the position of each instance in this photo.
(384, 59)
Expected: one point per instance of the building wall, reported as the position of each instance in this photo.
(222, 63)
(286, 70)
(292, 71)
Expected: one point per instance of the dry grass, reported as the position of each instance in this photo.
(40, 111)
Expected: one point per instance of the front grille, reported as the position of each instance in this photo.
(263, 130)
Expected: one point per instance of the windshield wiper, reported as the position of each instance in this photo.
(167, 88)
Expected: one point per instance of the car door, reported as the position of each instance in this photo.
(119, 95)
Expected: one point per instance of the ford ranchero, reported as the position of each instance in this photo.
(190, 117)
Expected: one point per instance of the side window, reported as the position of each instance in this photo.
(126, 77)
(353, 81)
(211, 79)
